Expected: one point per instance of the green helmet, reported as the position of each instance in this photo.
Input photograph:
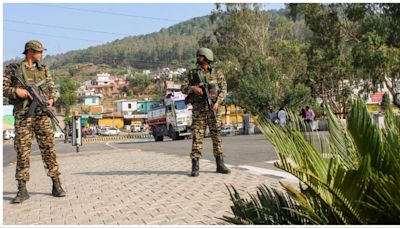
(34, 45)
(207, 53)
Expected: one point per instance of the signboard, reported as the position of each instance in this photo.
(377, 97)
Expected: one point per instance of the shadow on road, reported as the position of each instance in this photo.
(10, 195)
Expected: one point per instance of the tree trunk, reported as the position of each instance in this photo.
(389, 86)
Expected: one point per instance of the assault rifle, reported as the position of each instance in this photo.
(38, 101)
(197, 80)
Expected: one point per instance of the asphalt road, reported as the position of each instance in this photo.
(238, 150)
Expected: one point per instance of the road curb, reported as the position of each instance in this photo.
(118, 137)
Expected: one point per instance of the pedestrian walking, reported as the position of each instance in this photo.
(202, 116)
(246, 123)
(271, 115)
(34, 73)
(83, 131)
(310, 115)
(282, 117)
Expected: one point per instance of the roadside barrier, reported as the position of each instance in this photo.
(117, 137)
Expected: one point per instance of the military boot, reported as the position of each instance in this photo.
(57, 190)
(195, 167)
(22, 193)
(221, 168)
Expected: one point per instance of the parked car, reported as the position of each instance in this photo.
(59, 135)
(109, 131)
(136, 128)
(226, 130)
(9, 134)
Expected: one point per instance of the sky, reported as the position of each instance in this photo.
(72, 26)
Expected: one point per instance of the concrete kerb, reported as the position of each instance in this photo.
(118, 137)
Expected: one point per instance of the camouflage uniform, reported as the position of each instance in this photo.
(25, 126)
(202, 115)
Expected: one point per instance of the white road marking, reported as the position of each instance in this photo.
(256, 170)
(271, 162)
(114, 147)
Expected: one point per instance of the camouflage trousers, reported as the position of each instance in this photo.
(40, 125)
(202, 118)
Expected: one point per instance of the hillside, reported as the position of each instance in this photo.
(174, 45)
(170, 47)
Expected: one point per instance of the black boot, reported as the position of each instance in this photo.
(22, 193)
(221, 168)
(57, 190)
(195, 167)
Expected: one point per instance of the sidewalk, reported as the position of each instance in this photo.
(126, 187)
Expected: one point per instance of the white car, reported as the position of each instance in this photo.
(109, 131)
(59, 135)
(135, 128)
(9, 134)
(226, 130)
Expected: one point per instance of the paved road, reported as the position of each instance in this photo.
(127, 187)
(250, 149)
(115, 183)
(238, 150)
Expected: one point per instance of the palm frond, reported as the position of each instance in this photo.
(341, 144)
(366, 135)
(352, 178)
(268, 206)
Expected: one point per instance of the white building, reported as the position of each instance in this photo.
(146, 72)
(126, 107)
(104, 79)
(181, 70)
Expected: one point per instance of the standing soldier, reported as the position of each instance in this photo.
(34, 73)
(202, 115)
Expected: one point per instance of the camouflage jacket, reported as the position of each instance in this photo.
(216, 83)
(34, 75)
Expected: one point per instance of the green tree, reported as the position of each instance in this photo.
(357, 43)
(254, 49)
(139, 82)
(67, 92)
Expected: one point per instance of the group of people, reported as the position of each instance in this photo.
(36, 73)
(279, 117)
(89, 131)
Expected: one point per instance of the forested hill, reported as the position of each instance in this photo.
(172, 45)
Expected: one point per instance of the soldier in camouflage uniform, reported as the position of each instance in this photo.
(34, 73)
(202, 116)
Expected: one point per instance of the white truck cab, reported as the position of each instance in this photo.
(172, 119)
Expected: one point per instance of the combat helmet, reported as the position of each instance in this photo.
(207, 53)
(34, 45)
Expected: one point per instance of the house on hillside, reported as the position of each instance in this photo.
(107, 85)
(126, 107)
(146, 72)
(146, 105)
(90, 100)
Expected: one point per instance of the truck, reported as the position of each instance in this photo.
(173, 118)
